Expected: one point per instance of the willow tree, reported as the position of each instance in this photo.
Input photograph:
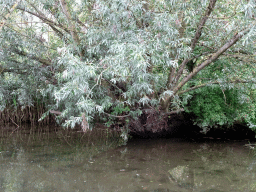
(120, 59)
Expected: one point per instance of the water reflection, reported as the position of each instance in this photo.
(142, 165)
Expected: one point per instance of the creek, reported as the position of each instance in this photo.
(47, 161)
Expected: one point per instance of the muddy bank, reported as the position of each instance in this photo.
(182, 126)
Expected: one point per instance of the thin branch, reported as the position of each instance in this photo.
(210, 83)
(112, 84)
(39, 59)
(195, 40)
(202, 23)
(9, 14)
(73, 31)
(58, 32)
(79, 22)
(55, 112)
(122, 116)
(174, 112)
(17, 71)
(239, 56)
(32, 39)
(242, 52)
(232, 15)
(45, 19)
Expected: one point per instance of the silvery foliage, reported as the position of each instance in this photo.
(131, 42)
(120, 51)
(126, 40)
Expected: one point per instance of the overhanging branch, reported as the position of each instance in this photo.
(210, 83)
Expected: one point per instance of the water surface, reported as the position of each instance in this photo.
(60, 164)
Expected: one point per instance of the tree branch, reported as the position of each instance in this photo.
(174, 112)
(232, 15)
(8, 15)
(58, 32)
(45, 19)
(210, 83)
(241, 57)
(211, 59)
(34, 39)
(39, 59)
(194, 41)
(202, 23)
(122, 116)
(17, 71)
(55, 112)
(74, 34)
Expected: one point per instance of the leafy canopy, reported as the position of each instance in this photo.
(107, 59)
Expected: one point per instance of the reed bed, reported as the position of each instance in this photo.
(27, 134)
(19, 115)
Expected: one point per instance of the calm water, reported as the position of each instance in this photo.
(46, 162)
